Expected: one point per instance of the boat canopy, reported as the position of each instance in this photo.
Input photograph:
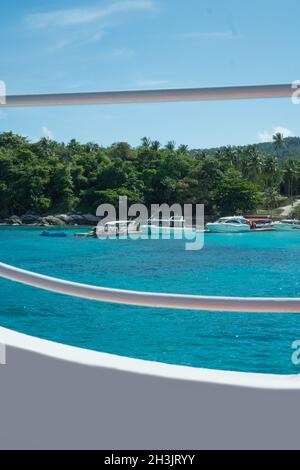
(233, 220)
(259, 219)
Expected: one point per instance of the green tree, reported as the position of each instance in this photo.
(183, 149)
(156, 145)
(146, 142)
(61, 187)
(271, 198)
(278, 140)
(121, 150)
(236, 195)
(171, 145)
(270, 172)
(290, 173)
(92, 198)
(254, 164)
(49, 176)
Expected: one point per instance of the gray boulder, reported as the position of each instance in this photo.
(91, 219)
(51, 220)
(44, 222)
(30, 219)
(77, 219)
(14, 220)
(65, 218)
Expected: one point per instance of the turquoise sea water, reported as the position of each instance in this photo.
(254, 264)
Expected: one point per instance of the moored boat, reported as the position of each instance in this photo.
(54, 234)
(117, 229)
(288, 225)
(174, 227)
(92, 234)
(236, 224)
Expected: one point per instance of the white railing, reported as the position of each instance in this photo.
(149, 299)
(153, 96)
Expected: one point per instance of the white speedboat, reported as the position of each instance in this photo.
(174, 227)
(289, 225)
(117, 229)
(229, 225)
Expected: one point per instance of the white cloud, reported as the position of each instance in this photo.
(47, 133)
(80, 16)
(74, 41)
(284, 131)
(210, 35)
(267, 136)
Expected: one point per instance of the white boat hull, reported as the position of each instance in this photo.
(172, 232)
(228, 228)
(287, 227)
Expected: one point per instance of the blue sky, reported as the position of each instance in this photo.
(98, 45)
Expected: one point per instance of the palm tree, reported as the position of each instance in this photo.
(290, 176)
(171, 146)
(183, 149)
(203, 155)
(156, 145)
(244, 166)
(146, 142)
(47, 145)
(231, 156)
(271, 198)
(278, 140)
(254, 164)
(270, 171)
(92, 147)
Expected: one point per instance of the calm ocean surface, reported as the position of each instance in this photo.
(254, 264)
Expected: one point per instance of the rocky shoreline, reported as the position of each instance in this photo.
(51, 220)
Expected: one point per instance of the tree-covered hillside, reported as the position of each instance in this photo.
(48, 177)
(290, 149)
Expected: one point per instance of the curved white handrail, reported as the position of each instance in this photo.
(149, 299)
(152, 96)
